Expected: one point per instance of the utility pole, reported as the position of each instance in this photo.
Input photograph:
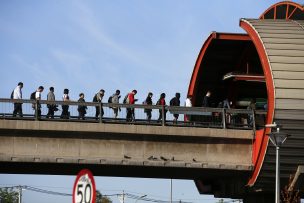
(121, 197)
(19, 194)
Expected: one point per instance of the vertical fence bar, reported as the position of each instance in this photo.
(163, 115)
(253, 121)
(36, 110)
(100, 111)
(224, 118)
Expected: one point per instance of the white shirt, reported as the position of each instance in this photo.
(65, 97)
(38, 95)
(188, 103)
(17, 93)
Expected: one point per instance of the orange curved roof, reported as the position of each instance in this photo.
(284, 10)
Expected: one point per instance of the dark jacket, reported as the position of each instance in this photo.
(174, 102)
(82, 108)
(206, 101)
(148, 101)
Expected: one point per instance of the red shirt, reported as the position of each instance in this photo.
(131, 98)
(162, 102)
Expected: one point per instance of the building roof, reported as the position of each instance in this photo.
(280, 44)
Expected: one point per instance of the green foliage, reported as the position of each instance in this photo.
(102, 199)
(8, 195)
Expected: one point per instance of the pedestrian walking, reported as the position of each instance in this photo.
(175, 101)
(206, 100)
(115, 100)
(52, 107)
(162, 102)
(98, 98)
(82, 109)
(65, 114)
(207, 116)
(17, 94)
(130, 99)
(148, 101)
(188, 103)
(38, 98)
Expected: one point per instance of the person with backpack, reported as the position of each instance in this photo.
(52, 107)
(65, 114)
(175, 102)
(82, 109)
(17, 94)
(162, 102)
(148, 101)
(115, 100)
(129, 99)
(98, 98)
(38, 98)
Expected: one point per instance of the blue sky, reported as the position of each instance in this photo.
(119, 44)
(88, 45)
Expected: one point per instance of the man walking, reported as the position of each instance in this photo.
(131, 100)
(17, 94)
(98, 98)
(51, 107)
(38, 98)
(115, 100)
(175, 102)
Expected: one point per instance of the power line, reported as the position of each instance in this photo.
(131, 196)
(128, 195)
(46, 191)
(34, 189)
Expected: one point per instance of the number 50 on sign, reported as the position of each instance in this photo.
(84, 188)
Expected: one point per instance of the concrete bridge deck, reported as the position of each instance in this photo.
(122, 150)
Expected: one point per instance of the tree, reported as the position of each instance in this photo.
(290, 196)
(8, 195)
(102, 199)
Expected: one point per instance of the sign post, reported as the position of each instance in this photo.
(84, 190)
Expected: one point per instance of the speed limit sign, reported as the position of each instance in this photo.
(84, 187)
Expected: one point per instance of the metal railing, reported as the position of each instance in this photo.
(134, 114)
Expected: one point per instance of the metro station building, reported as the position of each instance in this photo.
(265, 63)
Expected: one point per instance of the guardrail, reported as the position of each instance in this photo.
(161, 115)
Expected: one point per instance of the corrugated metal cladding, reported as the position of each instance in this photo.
(284, 44)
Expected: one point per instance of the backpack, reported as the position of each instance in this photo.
(33, 96)
(110, 99)
(95, 98)
(12, 95)
(126, 99)
(172, 102)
